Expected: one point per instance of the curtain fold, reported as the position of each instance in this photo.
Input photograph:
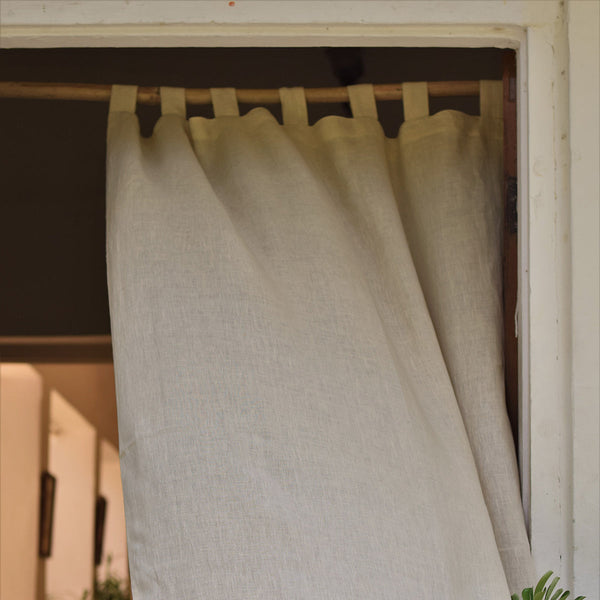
(308, 353)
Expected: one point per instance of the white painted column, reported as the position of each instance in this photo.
(20, 464)
(71, 459)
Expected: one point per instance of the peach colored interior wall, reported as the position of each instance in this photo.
(90, 388)
(115, 540)
(20, 421)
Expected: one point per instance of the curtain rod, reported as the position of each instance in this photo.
(151, 95)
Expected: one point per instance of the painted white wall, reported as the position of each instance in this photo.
(20, 467)
(584, 111)
(558, 146)
(115, 539)
(72, 460)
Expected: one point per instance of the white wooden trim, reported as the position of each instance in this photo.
(547, 335)
(260, 35)
(522, 316)
(286, 12)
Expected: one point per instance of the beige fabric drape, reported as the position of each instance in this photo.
(308, 351)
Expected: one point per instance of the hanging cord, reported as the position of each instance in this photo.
(151, 95)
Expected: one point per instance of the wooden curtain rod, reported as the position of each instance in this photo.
(151, 95)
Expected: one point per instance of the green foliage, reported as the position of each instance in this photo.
(112, 588)
(545, 593)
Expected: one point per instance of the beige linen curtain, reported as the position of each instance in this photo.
(308, 350)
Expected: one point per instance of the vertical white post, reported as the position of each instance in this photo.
(71, 459)
(548, 297)
(20, 422)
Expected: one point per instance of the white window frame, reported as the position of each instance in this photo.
(538, 31)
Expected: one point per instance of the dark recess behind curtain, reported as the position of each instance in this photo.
(52, 155)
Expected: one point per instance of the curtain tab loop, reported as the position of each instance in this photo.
(123, 98)
(172, 101)
(490, 99)
(293, 106)
(362, 100)
(224, 101)
(415, 99)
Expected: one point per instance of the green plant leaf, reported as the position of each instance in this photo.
(542, 593)
(551, 588)
(538, 594)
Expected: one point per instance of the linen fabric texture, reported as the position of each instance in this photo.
(307, 336)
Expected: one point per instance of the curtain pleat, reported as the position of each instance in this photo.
(308, 353)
